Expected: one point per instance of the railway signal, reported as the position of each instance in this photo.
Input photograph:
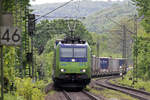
(31, 24)
(29, 57)
(31, 29)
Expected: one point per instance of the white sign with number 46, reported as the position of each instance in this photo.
(10, 36)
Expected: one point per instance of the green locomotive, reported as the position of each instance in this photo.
(72, 63)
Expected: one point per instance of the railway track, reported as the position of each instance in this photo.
(83, 95)
(142, 95)
(66, 94)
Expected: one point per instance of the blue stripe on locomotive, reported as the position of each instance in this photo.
(62, 59)
(104, 63)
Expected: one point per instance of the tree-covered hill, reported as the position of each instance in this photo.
(82, 8)
(99, 23)
(94, 11)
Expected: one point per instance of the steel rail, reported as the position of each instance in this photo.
(66, 95)
(91, 96)
(86, 93)
(142, 95)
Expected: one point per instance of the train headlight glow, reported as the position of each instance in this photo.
(62, 70)
(73, 60)
(83, 70)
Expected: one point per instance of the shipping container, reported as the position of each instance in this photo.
(114, 65)
(104, 64)
(93, 64)
(98, 66)
(96, 71)
(123, 63)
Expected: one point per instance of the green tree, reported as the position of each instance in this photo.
(144, 10)
(47, 30)
(143, 52)
(11, 54)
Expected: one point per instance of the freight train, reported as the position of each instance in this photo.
(74, 65)
(106, 66)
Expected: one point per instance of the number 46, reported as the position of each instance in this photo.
(15, 37)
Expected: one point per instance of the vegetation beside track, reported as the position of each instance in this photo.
(26, 89)
(47, 31)
(110, 94)
(127, 81)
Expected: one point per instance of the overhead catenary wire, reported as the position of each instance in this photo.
(63, 17)
(119, 24)
(54, 10)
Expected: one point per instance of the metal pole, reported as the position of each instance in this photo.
(97, 46)
(32, 57)
(16, 24)
(21, 48)
(135, 53)
(124, 48)
(25, 26)
(124, 42)
(135, 29)
(2, 74)
(1, 56)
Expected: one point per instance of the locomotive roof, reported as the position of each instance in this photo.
(71, 40)
(63, 44)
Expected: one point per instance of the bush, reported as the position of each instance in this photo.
(29, 90)
(141, 84)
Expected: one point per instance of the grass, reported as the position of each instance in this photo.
(25, 87)
(10, 96)
(141, 85)
(115, 94)
(52, 92)
(110, 94)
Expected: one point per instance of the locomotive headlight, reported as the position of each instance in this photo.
(62, 70)
(73, 60)
(83, 70)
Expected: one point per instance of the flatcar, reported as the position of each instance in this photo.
(72, 63)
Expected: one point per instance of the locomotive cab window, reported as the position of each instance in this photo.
(66, 52)
(80, 52)
(73, 52)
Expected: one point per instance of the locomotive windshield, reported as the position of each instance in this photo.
(73, 52)
(66, 52)
(79, 52)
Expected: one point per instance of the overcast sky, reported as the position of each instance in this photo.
(54, 1)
